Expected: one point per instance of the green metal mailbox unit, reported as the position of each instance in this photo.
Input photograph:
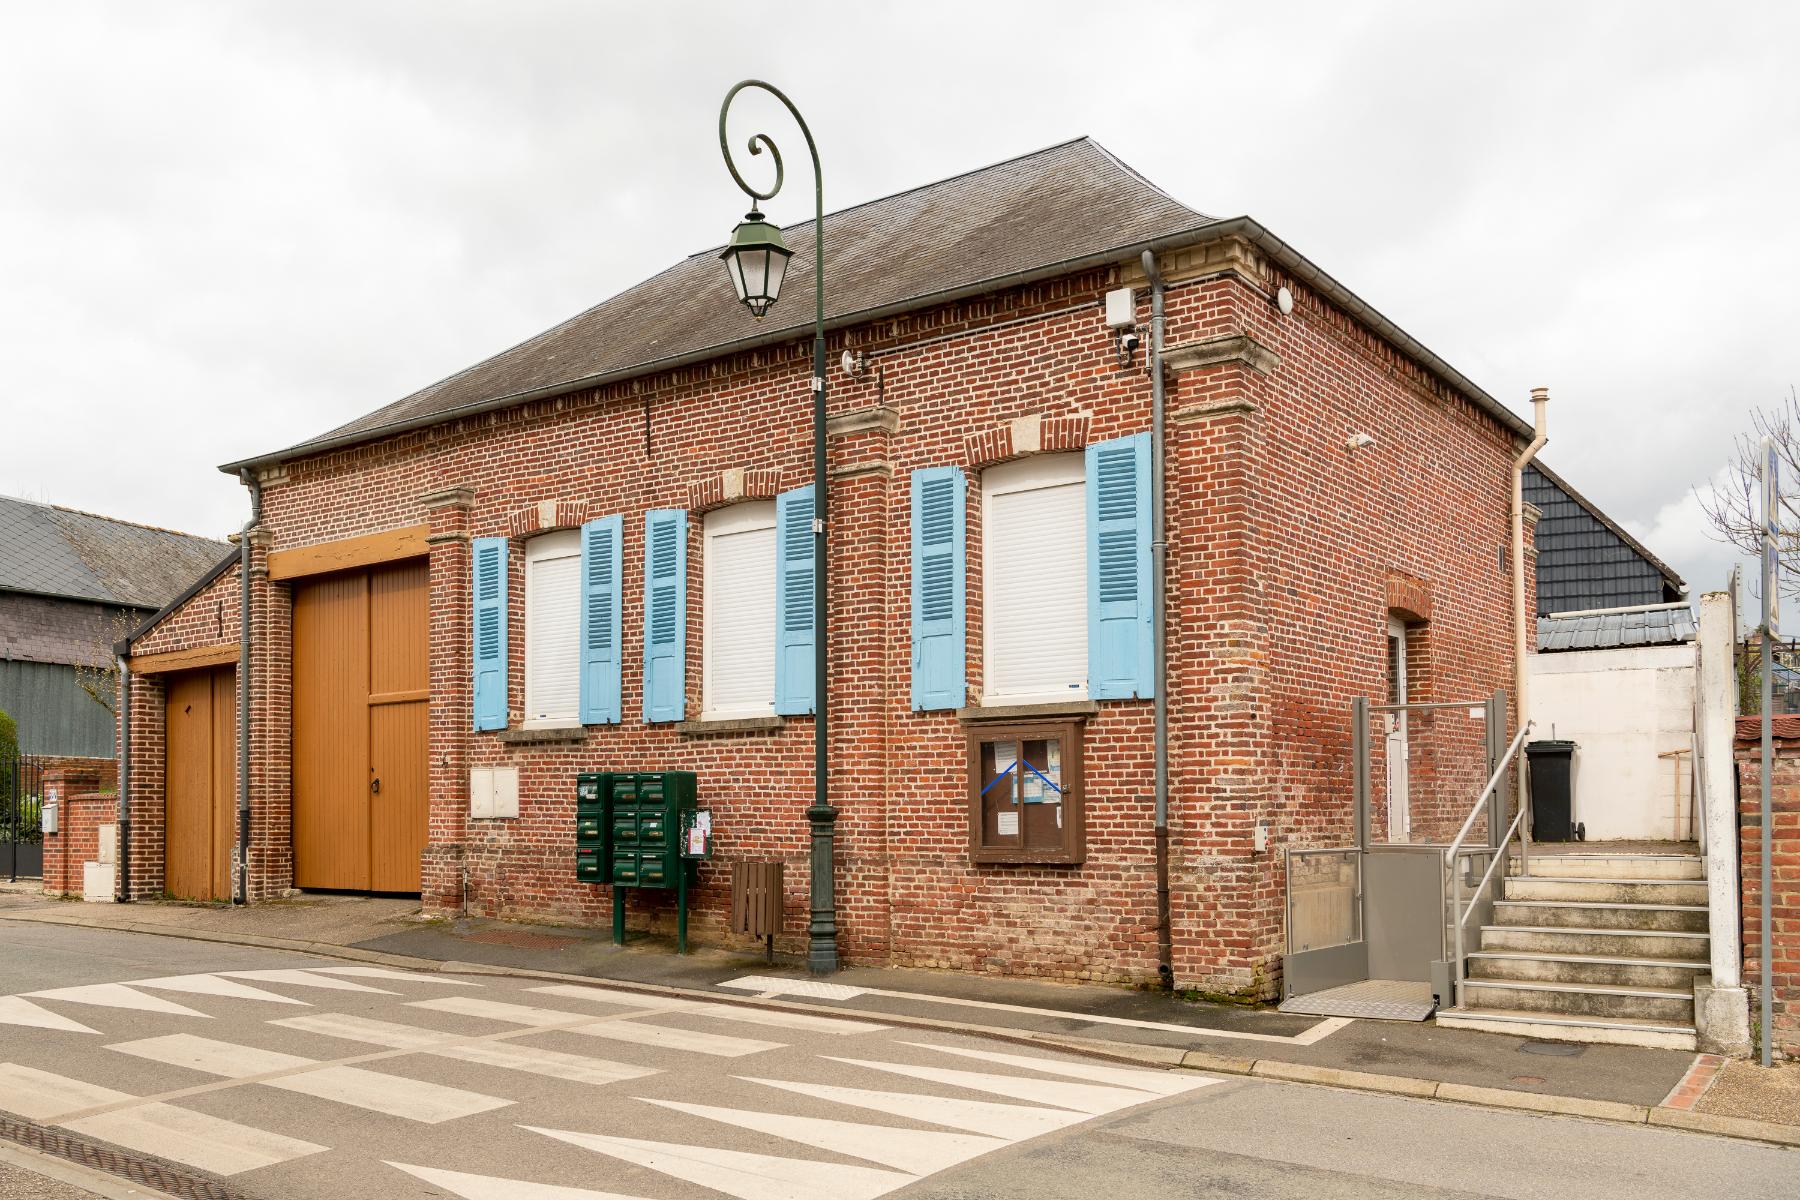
(628, 833)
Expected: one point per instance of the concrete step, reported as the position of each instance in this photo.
(1637, 971)
(1623, 943)
(1614, 866)
(1601, 915)
(1606, 891)
(1549, 1027)
(1600, 1000)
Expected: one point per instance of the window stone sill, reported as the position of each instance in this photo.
(1030, 712)
(517, 736)
(730, 725)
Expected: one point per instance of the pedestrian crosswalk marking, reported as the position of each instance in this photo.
(16, 1010)
(1163, 1083)
(742, 1174)
(213, 985)
(533, 1059)
(401, 976)
(916, 1151)
(193, 1138)
(116, 995)
(307, 979)
(1090, 1098)
(413, 1099)
(41, 1095)
(707, 1008)
(490, 1187)
(619, 1028)
(1013, 1122)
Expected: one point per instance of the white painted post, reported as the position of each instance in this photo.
(1721, 1008)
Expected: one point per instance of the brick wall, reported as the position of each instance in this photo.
(1282, 545)
(1784, 799)
(86, 794)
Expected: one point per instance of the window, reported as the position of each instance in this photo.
(1026, 785)
(739, 636)
(1035, 580)
(552, 633)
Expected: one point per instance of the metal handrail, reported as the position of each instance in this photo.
(1460, 915)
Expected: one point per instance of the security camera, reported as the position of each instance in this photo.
(1128, 341)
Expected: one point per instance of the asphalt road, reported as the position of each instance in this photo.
(293, 1077)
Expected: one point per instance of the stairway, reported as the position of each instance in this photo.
(1593, 947)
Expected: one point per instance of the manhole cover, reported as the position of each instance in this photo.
(1553, 1049)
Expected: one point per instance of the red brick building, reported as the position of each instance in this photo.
(576, 556)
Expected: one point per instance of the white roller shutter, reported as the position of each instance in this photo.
(553, 628)
(1034, 555)
(739, 581)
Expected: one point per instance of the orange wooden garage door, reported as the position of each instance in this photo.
(200, 774)
(360, 705)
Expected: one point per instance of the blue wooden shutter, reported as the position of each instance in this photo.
(938, 640)
(665, 614)
(795, 578)
(1119, 595)
(601, 558)
(488, 565)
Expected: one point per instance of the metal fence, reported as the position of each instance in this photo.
(21, 816)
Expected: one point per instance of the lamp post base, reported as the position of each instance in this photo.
(821, 949)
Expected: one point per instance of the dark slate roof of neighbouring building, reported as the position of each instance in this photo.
(53, 551)
(1053, 211)
(1585, 559)
(1662, 625)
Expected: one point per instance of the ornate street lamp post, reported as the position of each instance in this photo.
(757, 260)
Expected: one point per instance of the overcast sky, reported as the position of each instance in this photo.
(225, 227)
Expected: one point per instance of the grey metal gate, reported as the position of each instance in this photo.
(21, 816)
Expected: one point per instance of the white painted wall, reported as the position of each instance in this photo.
(1622, 707)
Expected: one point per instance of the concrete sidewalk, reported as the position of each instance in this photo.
(1608, 1082)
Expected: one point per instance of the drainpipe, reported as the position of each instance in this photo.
(1165, 942)
(124, 872)
(243, 722)
(1539, 398)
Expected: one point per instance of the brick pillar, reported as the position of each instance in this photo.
(271, 860)
(145, 851)
(1784, 805)
(451, 699)
(77, 839)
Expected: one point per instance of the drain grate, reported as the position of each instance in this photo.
(141, 1171)
(1553, 1049)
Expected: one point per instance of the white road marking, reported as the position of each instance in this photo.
(213, 985)
(1163, 1083)
(367, 1030)
(1013, 1122)
(489, 1187)
(16, 1010)
(307, 979)
(617, 1029)
(533, 1059)
(771, 985)
(736, 1173)
(402, 976)
(1091, 1098)
(413, 1099)
(916, 1151)
(726, 1012)
(197, 1139)
(116, 995)
(41, 1096)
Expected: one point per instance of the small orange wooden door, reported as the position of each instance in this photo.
(200, 782)
(361, 674)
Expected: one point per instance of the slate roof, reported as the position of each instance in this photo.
(1050, 212)
(1585, 559)
(54, 551)
(1664, 625)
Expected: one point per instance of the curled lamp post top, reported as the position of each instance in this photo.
(761, 141)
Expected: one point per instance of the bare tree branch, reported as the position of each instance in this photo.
(1732, 505)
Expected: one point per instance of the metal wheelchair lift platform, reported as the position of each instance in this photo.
(1370, 999)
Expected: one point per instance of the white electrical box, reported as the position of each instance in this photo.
(494, 792)
(47, 816)
(1121, 309)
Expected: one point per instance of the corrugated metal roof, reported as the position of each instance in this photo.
(1054, 206)
(1659, 626)
(56, 551)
